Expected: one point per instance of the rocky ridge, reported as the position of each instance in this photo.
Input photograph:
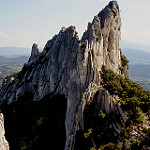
(72, 67)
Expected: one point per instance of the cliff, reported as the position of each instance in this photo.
(72, 67)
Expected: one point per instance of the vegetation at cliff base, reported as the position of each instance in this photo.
(135, 102)
(124, 64)
(124, 60)
(10, 66)
(6, 70)
(35, 125)
(134, 99)
(15, 75)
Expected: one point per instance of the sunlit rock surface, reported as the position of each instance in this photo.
(3, 143)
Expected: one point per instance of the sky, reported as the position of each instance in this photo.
(24, 22)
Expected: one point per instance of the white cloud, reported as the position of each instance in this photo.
(10, 37)
(5, 36)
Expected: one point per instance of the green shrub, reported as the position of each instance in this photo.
(15, 75)
(124, 60)
(133, 97)
(108, 146)
(87, 135)
(125, 133)
(148, 114)
(101, 114)
(92, 148)
(124, 63)
(135, 143)
(138, 115)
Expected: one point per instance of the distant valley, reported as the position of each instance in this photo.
(12, 60)
(20, 60)
(14, 51)
(139, 67)
(10, 65)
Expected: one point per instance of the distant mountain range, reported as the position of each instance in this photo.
(14, 51)
(139, 71)
(137, 56)
(139, 66)
(13, 61)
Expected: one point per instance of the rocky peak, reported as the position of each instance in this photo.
(103, 36)
(113, 4)
(72, 67)
(35, 53)
(111, 10)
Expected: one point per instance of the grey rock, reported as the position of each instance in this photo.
(71, 67)
(35, 53)
(3, 143)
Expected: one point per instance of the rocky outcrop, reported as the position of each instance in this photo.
(104, 35)
(3, 143)
(35, 53)
(71, 67)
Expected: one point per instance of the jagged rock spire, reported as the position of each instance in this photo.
(35, 53)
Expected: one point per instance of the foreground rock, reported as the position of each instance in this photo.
(3, 143)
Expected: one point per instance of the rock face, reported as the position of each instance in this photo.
(3, 143)
(71, 67)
